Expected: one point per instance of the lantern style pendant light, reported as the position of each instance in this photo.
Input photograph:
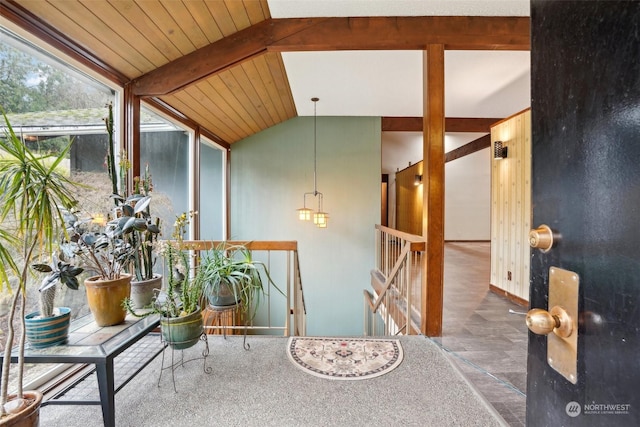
(320, 218)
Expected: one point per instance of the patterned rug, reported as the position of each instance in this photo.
(345, 358)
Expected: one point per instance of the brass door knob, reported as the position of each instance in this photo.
(543, 322)
(541, 238)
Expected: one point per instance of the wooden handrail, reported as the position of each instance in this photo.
(417, 242)
(254, 245)
(369, 299)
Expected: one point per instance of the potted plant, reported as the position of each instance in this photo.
(104, 251)
(50, 326)
(110, 249)
(179, 304)
(230, 276)
(141, 231)
(32, 195)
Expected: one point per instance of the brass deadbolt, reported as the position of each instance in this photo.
(541, 238)
(543, 322)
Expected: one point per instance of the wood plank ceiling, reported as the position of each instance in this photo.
(218, 63)
(138, 37)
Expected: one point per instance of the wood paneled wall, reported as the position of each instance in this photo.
(511, 206)
(409, 200)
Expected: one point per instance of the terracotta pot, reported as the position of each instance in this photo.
(29, 416)
(48, 331)
(182, 332)
(142, 292)
(105, 298)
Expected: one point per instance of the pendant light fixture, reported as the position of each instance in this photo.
(320, 217)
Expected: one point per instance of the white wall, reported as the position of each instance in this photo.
(467, 182)
(467, 204)
(270, 172)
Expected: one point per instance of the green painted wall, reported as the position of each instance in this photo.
(270, 172)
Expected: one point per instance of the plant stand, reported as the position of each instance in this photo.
(180, 363)
(222, 318)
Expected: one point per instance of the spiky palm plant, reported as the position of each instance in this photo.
(231, 269)
(33, 194)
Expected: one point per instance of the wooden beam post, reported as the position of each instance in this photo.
(433, 191)
(131, 133)
(196, 162)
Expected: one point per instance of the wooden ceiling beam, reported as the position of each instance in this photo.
(452, 124)
(329, 34)
(470, 148)
(464, 124)
(411, 33)
(217, 56)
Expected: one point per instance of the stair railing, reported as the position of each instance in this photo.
(393, 305)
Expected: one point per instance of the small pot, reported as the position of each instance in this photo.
(182, 332)
(142, 292)
(47, 331)
(105, 298)
(223, 295)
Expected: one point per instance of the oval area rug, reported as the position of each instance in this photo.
(345, 358)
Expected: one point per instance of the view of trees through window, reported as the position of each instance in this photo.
(31, 82)
(48, 105)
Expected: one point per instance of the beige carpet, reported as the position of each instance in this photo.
(261, 387)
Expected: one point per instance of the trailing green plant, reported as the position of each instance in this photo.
(183, 293)
(33, 195)
(230, 268)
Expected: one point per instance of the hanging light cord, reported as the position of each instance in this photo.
(315, 152)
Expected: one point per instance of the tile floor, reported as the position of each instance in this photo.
(488, 343)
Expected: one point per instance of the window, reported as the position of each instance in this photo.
(212, 184)
(164, 148)
(48, 104)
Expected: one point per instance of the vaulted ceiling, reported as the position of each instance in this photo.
(220, 63)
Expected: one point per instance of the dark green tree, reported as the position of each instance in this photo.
(28, 84)
(14, 72)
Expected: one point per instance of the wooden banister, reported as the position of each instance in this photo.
(254, 245)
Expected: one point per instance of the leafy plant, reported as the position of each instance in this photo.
(141, 230)
(133, 231)
(59, 271)
(230, 268)
(33, 194)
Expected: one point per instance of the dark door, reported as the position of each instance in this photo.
(586, 186)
